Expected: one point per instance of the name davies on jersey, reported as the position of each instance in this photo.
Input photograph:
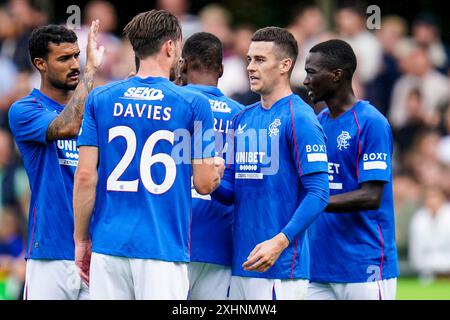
(142, 110)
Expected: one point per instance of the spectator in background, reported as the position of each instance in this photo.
(443, 148)
(234, 81)
(427, 34)
(393, 29)
(429, 245)
(216, 19)
(350, 21)
(308, 28)
(8, 68)
(14, 188)
(407, 192)
(422, 160)
(105, 12)
(190, 24)
(23, 18)
(12, 263)
(416, 121)
(418, 73)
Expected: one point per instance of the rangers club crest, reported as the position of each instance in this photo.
(273, 127)
(342, 140)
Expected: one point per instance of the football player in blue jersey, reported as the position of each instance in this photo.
(141, 141)
(353, 251)
(210, 266)
(45, 125)
(278, 180)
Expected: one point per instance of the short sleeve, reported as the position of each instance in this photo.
(88, 135)
(307, 143)
(375, 156)
(203, 145)
(29, 121)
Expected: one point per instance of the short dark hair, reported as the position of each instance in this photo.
(337, 54)
(41, 37)
(148, 30)
(282, 38)
(203, 51)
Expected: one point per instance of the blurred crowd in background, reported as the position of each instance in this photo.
(403, 69)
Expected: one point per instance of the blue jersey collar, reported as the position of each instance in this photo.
(280, 102)
(47, 100)
(150, 79)
(206, 89)
(349, 111)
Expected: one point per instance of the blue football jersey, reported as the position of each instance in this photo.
(356, 246)
(273, 149)
(50, 167)
(146, 130)
(208, 214)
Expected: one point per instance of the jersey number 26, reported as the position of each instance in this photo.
(114, 184)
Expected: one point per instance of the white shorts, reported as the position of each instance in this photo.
(53, 280)
(243, 288)
(208, 281)
(122, 278)
(374, 290)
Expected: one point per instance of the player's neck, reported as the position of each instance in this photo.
(154, 67)
(343, 101)
(205, 79)
(278, 93)
(59, 95)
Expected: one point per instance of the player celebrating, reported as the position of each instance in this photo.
(353, 252)
(45, 125)
(210, 267)
(279, 177)
(129, 170)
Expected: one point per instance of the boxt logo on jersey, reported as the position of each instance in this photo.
(143, 93)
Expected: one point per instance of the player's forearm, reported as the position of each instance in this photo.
(365, 198)
(83, 203)
(312, 205)
(68, 123)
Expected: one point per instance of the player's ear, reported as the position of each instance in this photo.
(40, 64)
(285, 65)
(170, 48)
(337, 75)
(220, 70)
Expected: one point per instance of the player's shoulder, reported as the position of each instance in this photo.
(109, 87)
(24, 104)
(325, 112)
(185, 94)
(367, 115)
(300, 111)
(233, 102)
(246, 110)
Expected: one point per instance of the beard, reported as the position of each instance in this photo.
(66, 86)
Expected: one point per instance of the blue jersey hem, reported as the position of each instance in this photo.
(138, 256)
(352, 280)
(211, 261)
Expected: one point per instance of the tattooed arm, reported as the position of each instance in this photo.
(68, 123)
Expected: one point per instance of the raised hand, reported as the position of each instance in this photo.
(94, 55)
